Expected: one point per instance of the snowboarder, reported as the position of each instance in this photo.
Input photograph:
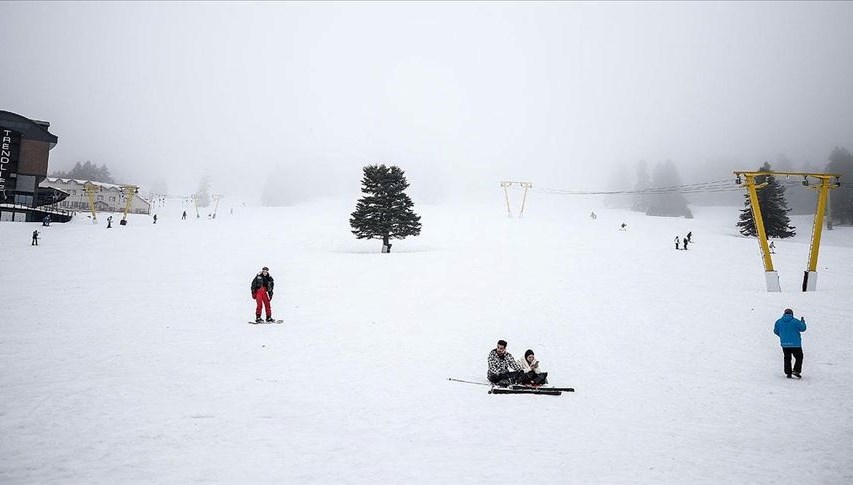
(685, 242)
(262, 288)
(677, 240)
(789, 329)
(109, 222)
(35, 238)
(503, 369)
(184, 216)
(533, 375)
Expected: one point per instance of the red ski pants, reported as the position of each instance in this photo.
(263, 300)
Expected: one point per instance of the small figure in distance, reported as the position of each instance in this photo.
(677, 241)
(789, 329)
(35, 238)
(623, 227)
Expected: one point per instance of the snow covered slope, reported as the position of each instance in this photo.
(125, 356)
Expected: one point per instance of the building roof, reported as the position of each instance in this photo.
(29, 129)
(103, 185)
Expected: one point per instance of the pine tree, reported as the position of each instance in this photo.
(774, 209)
(202, 195)
(841, 199)
(385, 211)
(644, 182)
(667, 203)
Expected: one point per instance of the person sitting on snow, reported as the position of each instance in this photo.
(532, 374)
(503, 369)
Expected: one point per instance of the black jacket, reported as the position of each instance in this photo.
(261, 281)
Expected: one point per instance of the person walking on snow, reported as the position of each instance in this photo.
(35, 238)
(789, 329)
(503, 369)
(676, 242)
(533, 375)
(262, 287)
(685, 241)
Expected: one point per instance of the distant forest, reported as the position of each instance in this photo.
(86, 171)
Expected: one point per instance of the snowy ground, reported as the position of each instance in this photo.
(125, 356)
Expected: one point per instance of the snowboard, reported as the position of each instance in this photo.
(264, 322)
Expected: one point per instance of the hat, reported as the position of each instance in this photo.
(528, 353)
(265, 269)
(788, 311)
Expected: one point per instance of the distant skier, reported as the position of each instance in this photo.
(532, 374)
(503, 369)
(623, 227)
(686, 240)
(35, 238)
(184, 216)
(109, 222)
(772, 248)
(677, 240)
(155, 218)
(46, 220)
(789, 329)
(593, 216)
(262, 288)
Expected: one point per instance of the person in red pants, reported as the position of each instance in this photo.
(262, 287)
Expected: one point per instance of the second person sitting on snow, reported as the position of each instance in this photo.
(532, 373)
(262, 287)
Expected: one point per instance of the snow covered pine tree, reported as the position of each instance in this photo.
(385, 211)
(774, 209)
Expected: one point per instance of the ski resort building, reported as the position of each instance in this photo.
(107, 197)
(25, 146)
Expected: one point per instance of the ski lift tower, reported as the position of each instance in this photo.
(823, 188)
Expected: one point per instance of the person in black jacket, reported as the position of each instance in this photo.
(262, 287)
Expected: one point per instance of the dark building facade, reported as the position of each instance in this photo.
(25, 146)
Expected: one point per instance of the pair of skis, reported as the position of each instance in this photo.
(520, 389)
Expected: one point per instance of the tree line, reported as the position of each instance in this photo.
(86, 171)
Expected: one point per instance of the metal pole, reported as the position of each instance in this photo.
(524, 198)
(759, 222)
(506, 196)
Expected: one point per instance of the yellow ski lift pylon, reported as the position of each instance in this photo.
(771, 276)
(524, 185)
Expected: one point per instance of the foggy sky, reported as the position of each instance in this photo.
(459, 95)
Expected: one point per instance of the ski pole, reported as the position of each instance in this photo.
(468, 382)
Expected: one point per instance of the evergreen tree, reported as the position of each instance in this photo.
(668, 203)
(841, 199)
(202, 195)
(86, 171)
(385, 211)
(644, 182)
(774, 209)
